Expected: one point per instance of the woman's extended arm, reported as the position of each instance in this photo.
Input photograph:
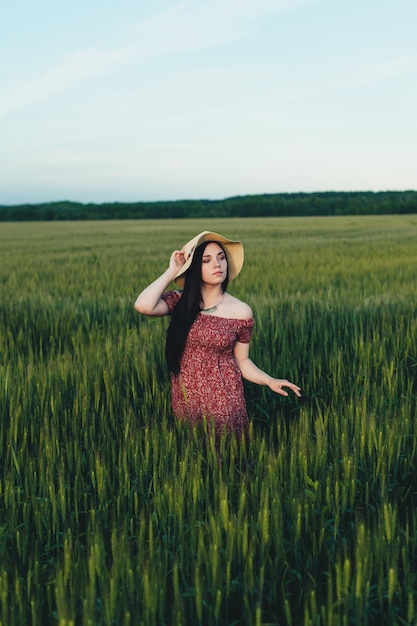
(149, 301)
(252, 373)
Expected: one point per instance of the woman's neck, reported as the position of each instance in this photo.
(211, 296)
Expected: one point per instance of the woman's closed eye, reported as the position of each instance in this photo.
(219, 258)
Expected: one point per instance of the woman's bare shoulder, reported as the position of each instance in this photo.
(235, 308)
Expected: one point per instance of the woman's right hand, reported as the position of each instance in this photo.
(177, 261)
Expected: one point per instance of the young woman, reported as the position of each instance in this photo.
(207, 342)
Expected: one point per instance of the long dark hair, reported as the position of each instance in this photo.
(187, 309)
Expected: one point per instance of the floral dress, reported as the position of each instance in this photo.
(210, 383)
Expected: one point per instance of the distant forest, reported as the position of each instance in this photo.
(266, 205)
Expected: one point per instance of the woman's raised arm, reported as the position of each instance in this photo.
(149, 301)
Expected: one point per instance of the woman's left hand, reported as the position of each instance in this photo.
(277, 385)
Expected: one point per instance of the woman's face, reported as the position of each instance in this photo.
(213, 265)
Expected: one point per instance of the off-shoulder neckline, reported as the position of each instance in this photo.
(227, 319)
(219, 317)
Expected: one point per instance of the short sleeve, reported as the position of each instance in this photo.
(244, 331)
(171, 298)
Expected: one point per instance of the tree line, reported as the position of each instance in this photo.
(265, 205)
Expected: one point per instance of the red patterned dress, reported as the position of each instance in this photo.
(210, 383)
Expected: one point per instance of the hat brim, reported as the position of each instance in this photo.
(233, 249)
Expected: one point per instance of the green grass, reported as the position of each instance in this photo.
(111, 513)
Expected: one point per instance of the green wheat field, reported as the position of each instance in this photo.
(111, 513)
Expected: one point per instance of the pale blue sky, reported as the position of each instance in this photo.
(133, 100)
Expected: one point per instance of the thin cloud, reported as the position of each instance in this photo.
(394, 67)
(190, 25)
(75, 69)
(350, 78)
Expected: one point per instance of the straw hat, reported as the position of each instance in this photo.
(234, 253)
